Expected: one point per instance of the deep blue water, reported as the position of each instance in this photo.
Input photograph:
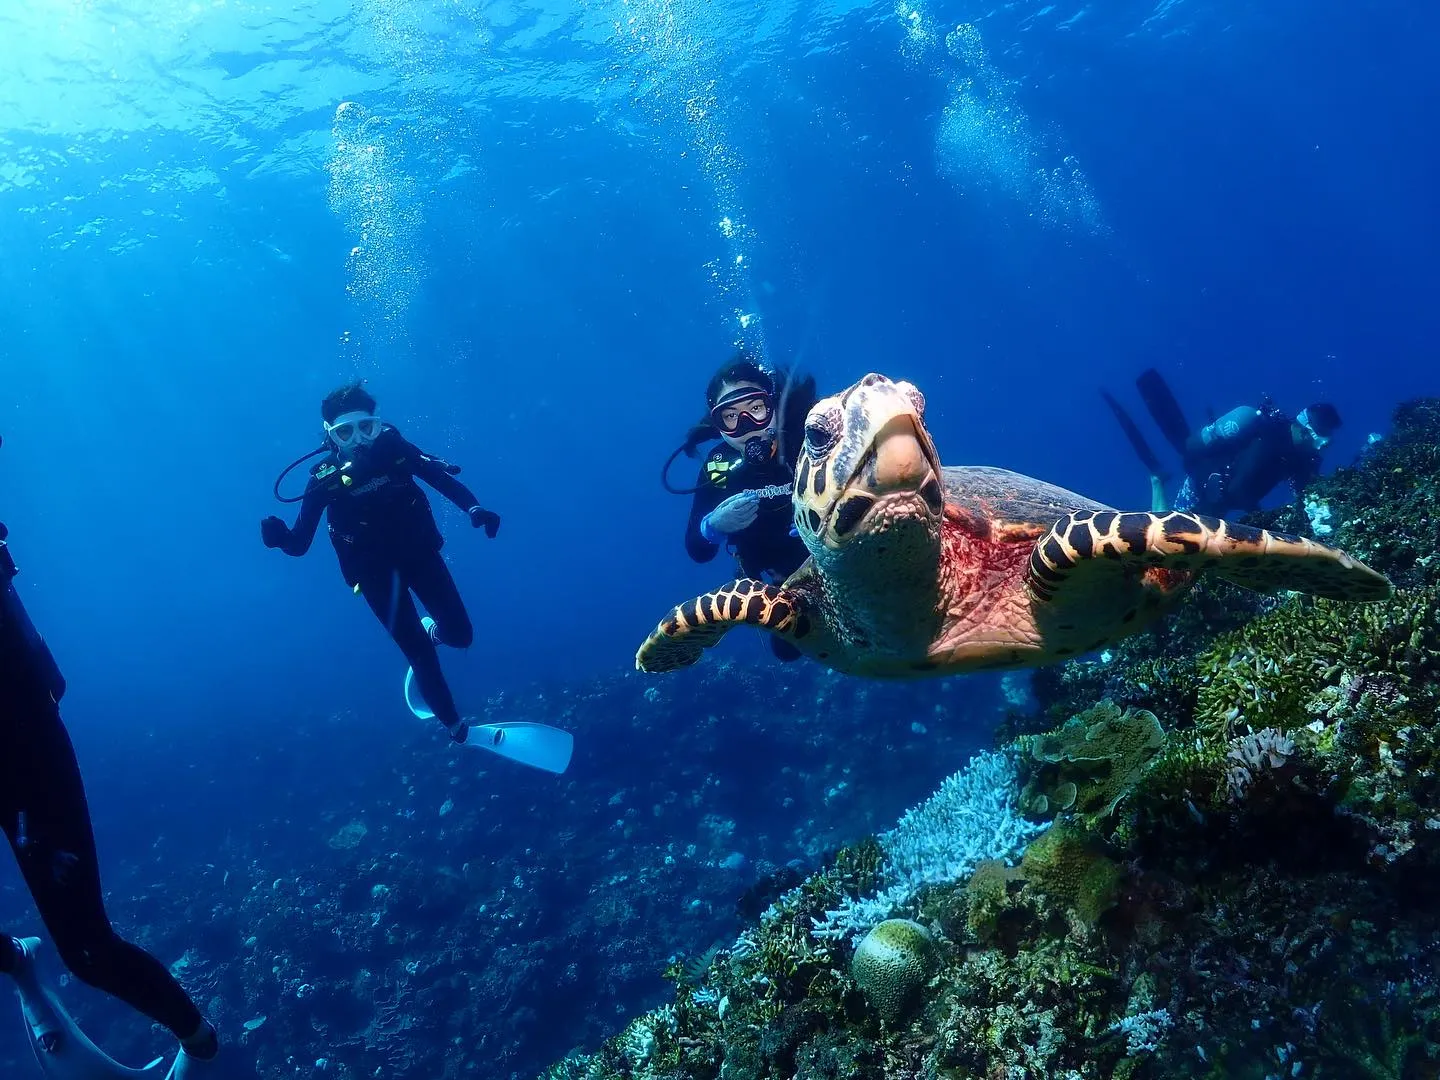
(1241, 195)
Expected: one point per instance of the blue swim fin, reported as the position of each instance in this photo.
(61, 1049)
(536, 745)
(189, 1068)
(415, 699)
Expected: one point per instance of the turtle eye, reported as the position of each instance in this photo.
(821, 431)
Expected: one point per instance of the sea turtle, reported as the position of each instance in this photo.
(916, 570)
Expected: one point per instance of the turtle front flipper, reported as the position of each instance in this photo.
(1092, 551)
(698, 624)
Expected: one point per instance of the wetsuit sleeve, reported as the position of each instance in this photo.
(707, 498)
(303, 531)
(432, 471)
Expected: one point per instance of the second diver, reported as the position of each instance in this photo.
(385, 536)
(743, 498)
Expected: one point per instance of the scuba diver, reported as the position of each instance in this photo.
(386, 539)
(742, 500)
(1233, 462)
(46, 818)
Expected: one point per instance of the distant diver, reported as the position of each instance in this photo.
(742, 498)
(385, 536)
(46, 818)
(1234, 462)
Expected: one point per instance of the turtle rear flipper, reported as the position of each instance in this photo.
(1089, 551)
(698, 624)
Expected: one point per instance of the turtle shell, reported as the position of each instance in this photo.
(1000, 498)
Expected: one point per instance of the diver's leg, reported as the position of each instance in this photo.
(1164, 409)
(388, 595)
(433, 584)
(55, 846)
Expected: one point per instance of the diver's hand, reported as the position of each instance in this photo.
(737, 512)
(485, 519)
(274, 532)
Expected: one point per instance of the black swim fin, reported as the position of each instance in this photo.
(1164, 408)
(1137, 440)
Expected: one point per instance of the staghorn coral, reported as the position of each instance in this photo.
(971, 818)
(1267, 674)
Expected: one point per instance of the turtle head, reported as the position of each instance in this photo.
(868, 469)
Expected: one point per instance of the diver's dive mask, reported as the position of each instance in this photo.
(354, 429)
(743, 412)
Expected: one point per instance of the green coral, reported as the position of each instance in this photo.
(892, 964)
(1068, 863)
(988, 899)
(1387, 506)
(1089, 764)
(1266, 674)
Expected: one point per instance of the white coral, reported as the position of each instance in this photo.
(1258, 752)
(970, 819)
(1144, 1032)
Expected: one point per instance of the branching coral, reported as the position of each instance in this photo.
(1255, 755)
(971, 818)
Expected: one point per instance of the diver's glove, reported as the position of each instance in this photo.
(485, 519)
(274, 532)
(731, 516)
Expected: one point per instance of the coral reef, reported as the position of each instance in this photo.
(1090, 763)
(892, 964)
(1237, 876)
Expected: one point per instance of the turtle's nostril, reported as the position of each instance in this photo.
(930, 492)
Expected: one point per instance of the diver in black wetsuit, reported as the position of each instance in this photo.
(46, 818)
(742, 499)
(1233, 462)
(386, 538)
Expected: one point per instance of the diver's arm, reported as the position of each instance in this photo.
(697, 545)
(433, 472)
(312, 507)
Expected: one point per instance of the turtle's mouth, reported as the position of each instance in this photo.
(898, 475)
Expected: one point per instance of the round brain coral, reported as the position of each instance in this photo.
(892, 963)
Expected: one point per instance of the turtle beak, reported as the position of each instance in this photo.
(903, 461)
(900, 461)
